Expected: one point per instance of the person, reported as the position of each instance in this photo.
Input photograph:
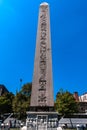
(14, 123)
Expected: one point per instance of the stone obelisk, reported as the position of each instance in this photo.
(41, 115)
(42, 86)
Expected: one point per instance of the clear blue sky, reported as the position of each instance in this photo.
(18, 27)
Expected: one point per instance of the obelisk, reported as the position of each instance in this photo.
(41, 115)
(42, 85)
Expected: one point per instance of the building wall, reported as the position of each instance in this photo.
(83, 98)
(82, 102)
(82, 107)
(3, 90)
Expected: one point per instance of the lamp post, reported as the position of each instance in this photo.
(20, 83)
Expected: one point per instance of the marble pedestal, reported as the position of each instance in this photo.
(42, 120)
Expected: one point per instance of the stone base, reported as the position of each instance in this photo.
(42, 120)
(41, 108)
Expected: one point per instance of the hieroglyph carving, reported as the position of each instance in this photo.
(42, 64)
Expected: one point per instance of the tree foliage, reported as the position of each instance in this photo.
(21, 101)
(6, 103)
(26, 90)
(65, 103)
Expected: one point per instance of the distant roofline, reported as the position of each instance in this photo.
(2, 86)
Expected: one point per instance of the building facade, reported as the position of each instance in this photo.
(3, 89)
(82, 102)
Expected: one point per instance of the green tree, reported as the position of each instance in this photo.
(21, 101)
(6, 103)
(65, 103)
(9, 96)
(26, 89)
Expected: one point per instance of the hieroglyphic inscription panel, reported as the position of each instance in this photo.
(42, 92)
(42, 63)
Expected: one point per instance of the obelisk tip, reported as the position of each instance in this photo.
(44, 4)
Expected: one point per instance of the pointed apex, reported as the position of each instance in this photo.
(44, 4)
